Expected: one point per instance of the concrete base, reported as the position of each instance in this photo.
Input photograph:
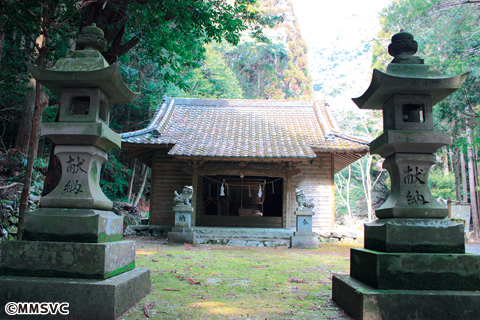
(181, 237)
(362, 302)
(304, 239)
(415, 235)
(77, 225)
(88, 299)
(65, 259)
(416, 271)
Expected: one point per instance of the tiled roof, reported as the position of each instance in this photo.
(244, 129)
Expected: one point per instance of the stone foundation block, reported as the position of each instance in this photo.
(415, 235)
(181, 237)
(88, 299)
(363, 302)
(67, 260)
(416, 271)
(77, 225)
(302, 241)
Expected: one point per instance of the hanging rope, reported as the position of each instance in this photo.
(241, 185)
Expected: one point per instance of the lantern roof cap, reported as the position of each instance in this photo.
(86, 68)
(407, 74)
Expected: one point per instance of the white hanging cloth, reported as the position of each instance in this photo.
(222, 191)
(259, 190)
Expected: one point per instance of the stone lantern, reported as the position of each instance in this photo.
(74, 236)
(412, 255)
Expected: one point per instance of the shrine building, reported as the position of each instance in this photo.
(244, 159)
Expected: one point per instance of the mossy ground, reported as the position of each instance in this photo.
(225, 282)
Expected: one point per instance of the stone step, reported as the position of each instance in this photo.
(236, 236)
(249, 237)
(255, 237)
(271, 233)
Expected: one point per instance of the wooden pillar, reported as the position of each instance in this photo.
(288, 201)
(153, 212)
(195, 195)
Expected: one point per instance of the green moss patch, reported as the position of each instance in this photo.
(225, 282)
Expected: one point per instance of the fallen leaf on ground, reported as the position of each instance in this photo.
(191, 281)
(188, 246)
(147, 308)
(294, 280)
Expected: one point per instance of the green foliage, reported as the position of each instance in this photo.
(441, 184)
(213, 80)
(23, 25)
(50, 113)
(114, 178)
(276, 67)
(173, 33)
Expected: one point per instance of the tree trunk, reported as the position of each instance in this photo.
(32, 147)
(464, 177)
(131, 165)
(54, 170)
(446, 165)
(477, 175)
(456, 171)
(2, 40)
(471, 172)
(367, 185)
(450, 157)
(25, 125)
(348, 191)
(144, 180)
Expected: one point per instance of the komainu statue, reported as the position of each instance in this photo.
(302, 200)
(183, 199)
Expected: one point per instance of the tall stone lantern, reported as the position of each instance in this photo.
(73, 249)
(413, 264)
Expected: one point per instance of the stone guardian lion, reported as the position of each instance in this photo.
(302, 200)
(183, 199)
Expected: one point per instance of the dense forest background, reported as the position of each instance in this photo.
(216, 49)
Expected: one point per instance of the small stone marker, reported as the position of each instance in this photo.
(183, 232)
(304, 237)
